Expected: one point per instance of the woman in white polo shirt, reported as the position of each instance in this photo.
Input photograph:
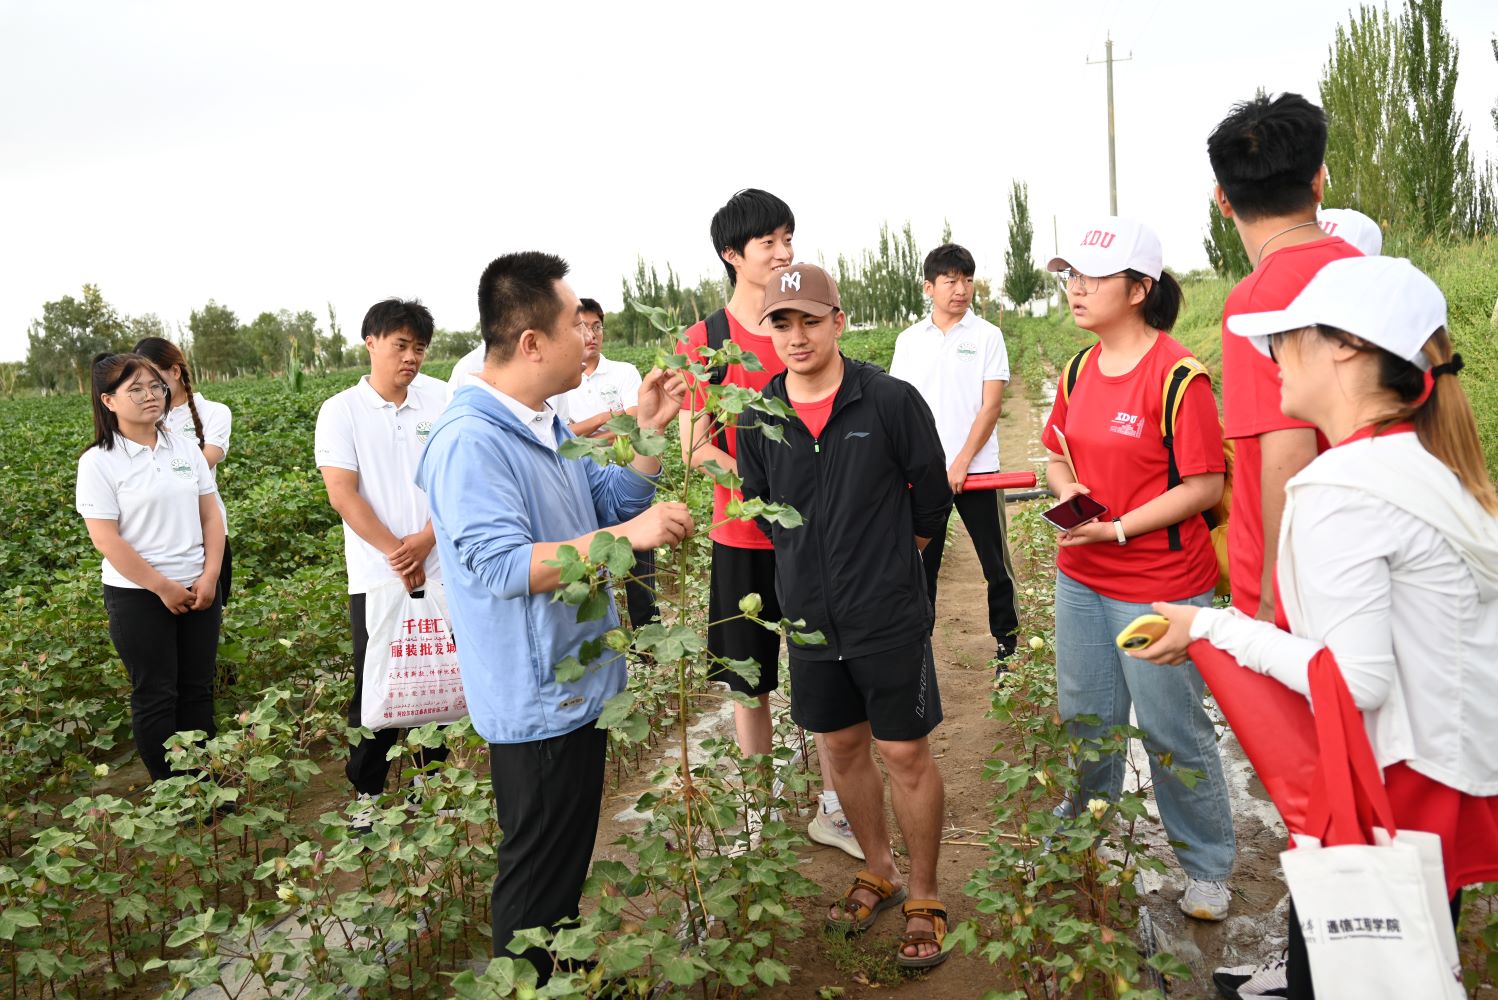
(189, 414)
(148, 499)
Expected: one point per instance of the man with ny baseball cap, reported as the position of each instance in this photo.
(861, 460)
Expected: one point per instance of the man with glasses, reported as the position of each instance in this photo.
(958, 363)
(608, 389)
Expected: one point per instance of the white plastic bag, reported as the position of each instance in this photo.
(411, 663)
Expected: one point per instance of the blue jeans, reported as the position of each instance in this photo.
(1095, 677)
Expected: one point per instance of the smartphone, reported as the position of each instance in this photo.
(1075, 512)
(1142, 632)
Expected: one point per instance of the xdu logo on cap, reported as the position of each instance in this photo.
(1098, 238)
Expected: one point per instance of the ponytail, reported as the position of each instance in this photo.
(1433, 400)
(164, 354)
(1162, 300)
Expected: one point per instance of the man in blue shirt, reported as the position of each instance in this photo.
(503, 501)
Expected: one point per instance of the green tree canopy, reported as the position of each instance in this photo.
(1023, 281)
(61, 345)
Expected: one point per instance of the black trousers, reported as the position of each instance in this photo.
(1298, 962)
(225, 575)
(547, 795)
(982, 512)
(367, 767)
(171, 661)
(639, 595)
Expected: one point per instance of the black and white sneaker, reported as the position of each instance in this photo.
(1248, 982)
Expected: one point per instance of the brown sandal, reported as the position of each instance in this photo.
(859, 917)
(933, 911)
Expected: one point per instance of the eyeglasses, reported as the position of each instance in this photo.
(1083, 284)
(596, 327)
(141, 393)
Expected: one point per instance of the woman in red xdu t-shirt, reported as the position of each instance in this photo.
(1109, 424)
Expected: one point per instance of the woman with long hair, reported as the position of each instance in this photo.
(1388, 554)
(148, 499)
(189, 414)
(1107, 440)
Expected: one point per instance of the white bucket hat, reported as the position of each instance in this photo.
(1113, 245)
(1384, 300)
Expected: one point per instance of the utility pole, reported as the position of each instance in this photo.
(1112, 164)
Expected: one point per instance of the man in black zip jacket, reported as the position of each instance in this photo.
(862, 462)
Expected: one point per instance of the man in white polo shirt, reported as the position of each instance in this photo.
(608, 389)
(369, 440)
(957, 361)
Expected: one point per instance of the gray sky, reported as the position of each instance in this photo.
(288, 155)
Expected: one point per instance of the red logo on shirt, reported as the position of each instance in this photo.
(1098, 238)
(1127, 424)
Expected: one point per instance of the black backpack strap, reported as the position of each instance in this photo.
(1179, 376)
(718, 334)
(1073, 370)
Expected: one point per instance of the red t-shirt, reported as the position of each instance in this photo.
(1251, 401)
(1112, 426)
(814, 414)
(736, 534)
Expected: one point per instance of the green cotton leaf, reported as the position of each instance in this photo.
(772, 405)
(599, 450)
(771, 972)
(616, 710)
(747, 669)
(620, 557)
(575, 592)
(14, 919)
(569, 670)
(636, 728)
(659, 317)
(598, 549)
(725, 478)
(681, 970)
(594, 606)
(772, 432)
(776, 513)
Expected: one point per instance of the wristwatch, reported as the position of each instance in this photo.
(1118, 527)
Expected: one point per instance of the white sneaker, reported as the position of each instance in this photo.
(832, 829)
(361, 819)
(1204, 900)
(1253, 982)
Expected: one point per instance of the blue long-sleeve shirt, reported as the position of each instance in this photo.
(495, 491)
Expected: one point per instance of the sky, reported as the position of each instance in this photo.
(291, 155)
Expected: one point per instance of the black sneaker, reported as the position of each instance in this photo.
(1006, 648)
(1250, 982)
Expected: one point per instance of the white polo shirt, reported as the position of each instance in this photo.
(949, 369)
(614, 385)
(359, 431)
(469, 364)
(217, 419)
(153, 494)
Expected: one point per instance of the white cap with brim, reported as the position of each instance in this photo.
(1352, 226)
(1386, 301)
(1113, 245)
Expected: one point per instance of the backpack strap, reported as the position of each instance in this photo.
(1074, 369)
(1180, 376)
(718, 334)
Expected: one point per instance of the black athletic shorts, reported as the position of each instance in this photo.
(735, 573)
(894, 691)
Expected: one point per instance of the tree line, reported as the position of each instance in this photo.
(1397, 149)
(71, 331)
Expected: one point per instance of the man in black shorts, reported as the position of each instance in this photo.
(752, 235)
(861, 460)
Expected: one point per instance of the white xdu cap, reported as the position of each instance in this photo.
(1384, 300)
(1110, 246)
(1354, 227)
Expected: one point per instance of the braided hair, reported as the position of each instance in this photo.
(165, 355)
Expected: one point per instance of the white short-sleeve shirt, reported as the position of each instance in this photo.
(218, 421)
(469, 364)
(949, 369)
(613, 386)
(153, 494)
(359, 431)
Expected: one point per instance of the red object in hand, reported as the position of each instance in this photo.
(999, 481)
